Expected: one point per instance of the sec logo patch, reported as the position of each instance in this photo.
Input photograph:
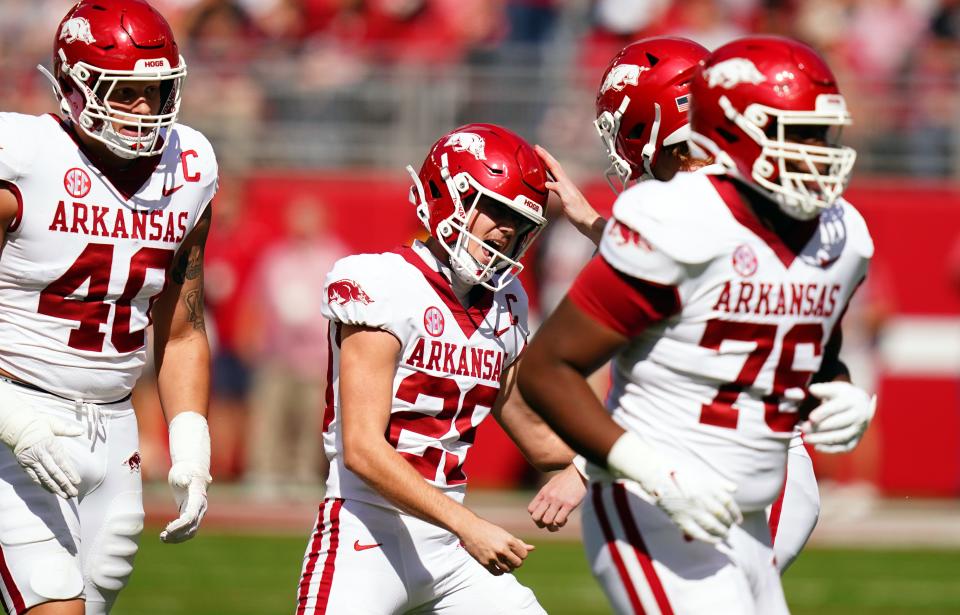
(744, 260)
(77, 183)
(433, 321)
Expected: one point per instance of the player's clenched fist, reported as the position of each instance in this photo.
(496, 549)
(702, 509)
(839, 422)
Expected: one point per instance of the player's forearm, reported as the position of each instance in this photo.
(563, 398)
(381, 467)
(541, 446)
(594, 230)
(183, 375)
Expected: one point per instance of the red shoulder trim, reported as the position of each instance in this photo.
(622, 303)
(787, 245)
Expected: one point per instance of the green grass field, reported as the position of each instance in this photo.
(224, 574)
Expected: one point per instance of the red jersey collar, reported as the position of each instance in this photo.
(468, 317)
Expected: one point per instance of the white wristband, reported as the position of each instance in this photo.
(190, 441)
(580, 463)
(631, 457)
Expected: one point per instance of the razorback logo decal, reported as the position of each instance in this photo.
(77, 29)
(621, 76)
(344, 291)
(133, 462)
(468, 142)
(731, 73)
(624, 235)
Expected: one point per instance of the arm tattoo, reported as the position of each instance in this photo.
(178, 273)
(189, 265)
(194, 302)
(195, 262)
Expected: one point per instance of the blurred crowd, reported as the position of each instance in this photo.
(343, 82)
(369, 83)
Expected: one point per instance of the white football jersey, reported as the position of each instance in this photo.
(717, 384)
(452, 358)
(88, 254)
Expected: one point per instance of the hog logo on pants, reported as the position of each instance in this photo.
(344, 291)
(133, 462)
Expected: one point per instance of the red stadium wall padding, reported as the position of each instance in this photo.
(914, 224)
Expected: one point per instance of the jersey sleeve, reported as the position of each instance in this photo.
(626, 249)
(358, 291)
(625, 304)
(199, 164)
(16, 146)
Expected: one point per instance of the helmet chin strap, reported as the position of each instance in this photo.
(608, 125)
(650, 149)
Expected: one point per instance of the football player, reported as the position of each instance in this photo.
(718, 295)
(423, 344)
(642, 121)
(104, 211)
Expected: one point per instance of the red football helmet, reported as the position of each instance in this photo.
(474, 161)
(750, 97)
(100, 43)
(642, 103)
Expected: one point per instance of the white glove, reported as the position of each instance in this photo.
(189, 474)
(33, 438)
(837, 424)
(704, 510)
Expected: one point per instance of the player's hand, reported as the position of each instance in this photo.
(189, 485)
(839, 422)
(496, 549)
(702, 508)
(552, 505)
(34, 439)
(576, 208)
(189, 474)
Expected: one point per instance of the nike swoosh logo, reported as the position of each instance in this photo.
(169, 191)
(359, 547)
(502, 331)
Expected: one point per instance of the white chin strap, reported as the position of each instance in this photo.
(608, 126)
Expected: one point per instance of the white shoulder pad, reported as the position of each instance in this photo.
(359, 290)
(19, 137)
(858, 235)
(198, 156)
(679, 217)
(658, 228)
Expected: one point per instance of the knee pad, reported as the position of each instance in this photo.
(110, 561)
(57, 577)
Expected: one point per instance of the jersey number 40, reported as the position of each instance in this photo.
(95, 265)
